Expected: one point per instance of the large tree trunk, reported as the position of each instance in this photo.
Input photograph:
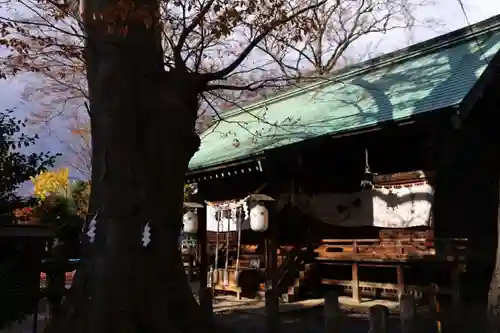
(494, 293)
(143, 138)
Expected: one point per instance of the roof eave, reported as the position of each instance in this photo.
(194, 172)
(255, 158)
(476, 92)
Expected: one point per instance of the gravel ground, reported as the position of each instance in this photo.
(354, 320)
(310, 321)
(247, 316)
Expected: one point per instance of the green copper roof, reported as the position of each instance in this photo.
(426, 77)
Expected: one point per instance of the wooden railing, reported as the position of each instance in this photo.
(397, 249)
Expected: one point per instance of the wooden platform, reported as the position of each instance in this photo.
(393, 246)
(394, 249)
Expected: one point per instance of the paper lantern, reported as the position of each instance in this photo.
(190, 221)
(259, 218)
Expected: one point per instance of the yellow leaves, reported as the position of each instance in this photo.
(50, 182)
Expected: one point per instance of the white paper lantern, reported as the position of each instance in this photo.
(259, 218)
(190, 221)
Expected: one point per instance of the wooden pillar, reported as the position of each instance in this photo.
(435, 306)
(204, 293)
(355, 283)
(401, 280)
(272, 292)
(455, 286)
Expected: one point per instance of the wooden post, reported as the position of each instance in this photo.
(401, 280)
(355, 283)
(332, 312)
(205, 292)
(272, 292)
(455, 286)
(379, 319)
(408, 313)
(434, 306)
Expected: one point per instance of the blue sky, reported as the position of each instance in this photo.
(448, 11)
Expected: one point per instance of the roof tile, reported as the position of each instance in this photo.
(417, 83)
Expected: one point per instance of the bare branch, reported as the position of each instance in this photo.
(185, 33)
(226, 71)
(338, 26)
(253, 86)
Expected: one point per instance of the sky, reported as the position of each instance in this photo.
(448, 12)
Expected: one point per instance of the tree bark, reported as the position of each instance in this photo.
(494, 293)
(143, 137)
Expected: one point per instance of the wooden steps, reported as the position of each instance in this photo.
(294, 273)
(304, 279)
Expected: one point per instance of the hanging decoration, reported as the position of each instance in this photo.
(146, 235)
(245, 211)
(233, 213)
(228, 223)
(190, 222)
(389, 206)
(228, 216)
(259, 218)
(367, 177)
(91, 233)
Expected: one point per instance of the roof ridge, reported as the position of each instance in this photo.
(416, 50)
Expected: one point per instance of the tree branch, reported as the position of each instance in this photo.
(248, 87)
(226, 71)
(179, 62)
(40, 24)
